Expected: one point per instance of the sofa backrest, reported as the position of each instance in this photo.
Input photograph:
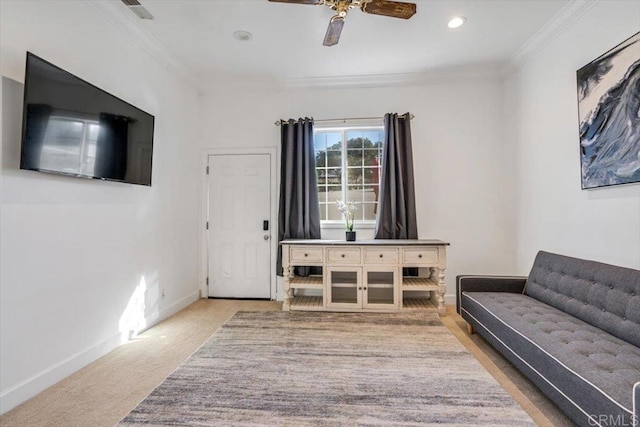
(603, 295)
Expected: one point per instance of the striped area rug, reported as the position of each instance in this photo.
(330, 369)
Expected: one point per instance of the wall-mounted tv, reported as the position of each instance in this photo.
(74, 128)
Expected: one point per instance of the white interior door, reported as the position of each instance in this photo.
(239, 247)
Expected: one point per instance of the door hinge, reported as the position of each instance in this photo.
(207, 225)
(207, 281)
(207, 170)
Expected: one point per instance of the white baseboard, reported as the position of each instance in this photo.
(450, 299)
(37, 383)
(172, 309)
(44, 379)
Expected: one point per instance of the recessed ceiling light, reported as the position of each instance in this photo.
(243, 36)
(456, 21)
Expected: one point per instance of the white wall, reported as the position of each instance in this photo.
(553, 213)
(458, 155)
(497, 174)
(84, 263)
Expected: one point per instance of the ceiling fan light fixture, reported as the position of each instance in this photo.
(391, 8)
(242, 35)
(456, 22)
(334, 30)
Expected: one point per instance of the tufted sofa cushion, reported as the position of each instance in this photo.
(602, 295)
(587, 371)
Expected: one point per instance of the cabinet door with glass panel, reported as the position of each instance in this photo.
(380, 288)
(344, 287)
(363, 288)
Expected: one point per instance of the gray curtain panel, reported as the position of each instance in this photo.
(396, 216)
(299, 212)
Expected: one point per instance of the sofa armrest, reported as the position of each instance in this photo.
(477, 283)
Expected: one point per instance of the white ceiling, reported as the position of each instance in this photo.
(287, 38)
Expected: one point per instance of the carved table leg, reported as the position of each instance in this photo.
(287, 290)
(442, 288)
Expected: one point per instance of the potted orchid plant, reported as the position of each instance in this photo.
(347, 210)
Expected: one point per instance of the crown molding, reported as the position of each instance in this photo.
(434, 77)
(122, 19)
(460, 75)
(562, 20)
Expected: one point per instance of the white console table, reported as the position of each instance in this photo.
(364, 275)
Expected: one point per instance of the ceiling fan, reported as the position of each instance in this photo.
(394, 9)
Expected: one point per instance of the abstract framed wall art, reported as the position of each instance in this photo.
(609, 110)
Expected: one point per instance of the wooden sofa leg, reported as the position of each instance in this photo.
(470, 330)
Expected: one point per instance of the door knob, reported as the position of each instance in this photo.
(266, 237)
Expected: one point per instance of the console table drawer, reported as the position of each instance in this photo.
(380, 256)
(420, 256)
(305, 254)
(343, 255)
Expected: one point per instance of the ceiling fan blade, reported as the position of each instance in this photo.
(333, 31)
(395, 9)
(311, 2)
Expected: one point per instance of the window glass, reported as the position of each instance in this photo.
(348, 169)
(70, 145)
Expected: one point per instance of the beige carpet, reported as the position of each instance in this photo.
(105, 391)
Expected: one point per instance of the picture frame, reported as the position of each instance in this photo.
(609, 116)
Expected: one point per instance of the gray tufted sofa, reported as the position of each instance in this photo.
(572, 327)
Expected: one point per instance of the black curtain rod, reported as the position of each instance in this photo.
(350, 119)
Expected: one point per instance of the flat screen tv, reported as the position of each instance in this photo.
(74, 128)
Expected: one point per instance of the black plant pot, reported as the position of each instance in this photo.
(351, 236)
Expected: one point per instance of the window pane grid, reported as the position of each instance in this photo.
(348, 169)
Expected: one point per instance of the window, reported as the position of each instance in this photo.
(348, 168)
(70, 145)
